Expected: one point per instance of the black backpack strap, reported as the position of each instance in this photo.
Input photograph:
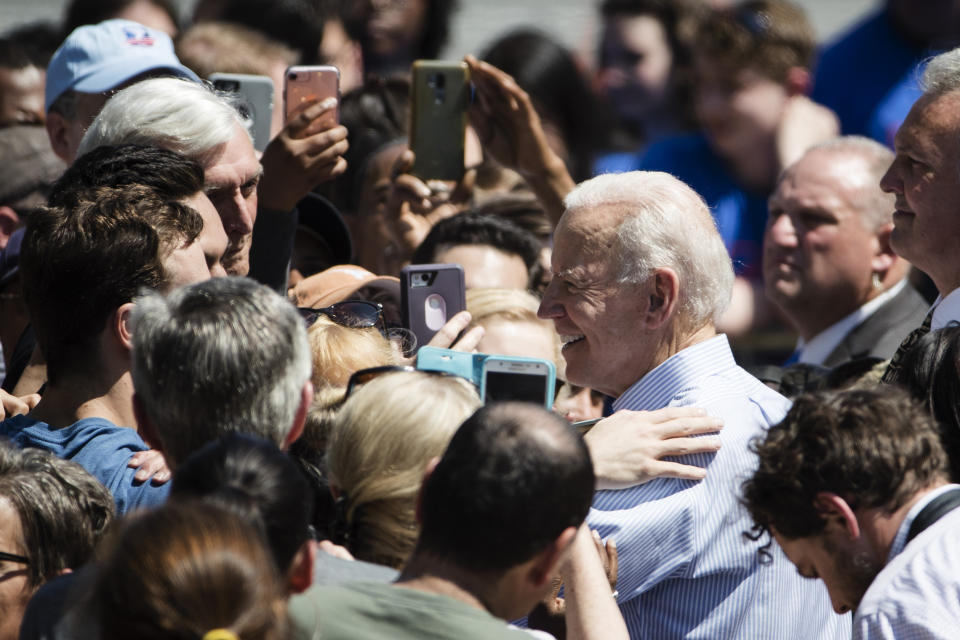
(936, 509)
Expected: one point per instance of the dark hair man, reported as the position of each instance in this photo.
(21, 85)
(640, 277)
(493, 252)
(52, 515)
(498, 513)
(81, 266)
(217, 357)
(853, 487)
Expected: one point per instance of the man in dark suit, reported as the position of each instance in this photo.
(827, 261)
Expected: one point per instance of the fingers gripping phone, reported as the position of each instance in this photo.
(254, 100)
(304, 85)
(430, 294)
(439, 96)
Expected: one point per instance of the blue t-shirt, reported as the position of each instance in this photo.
(100, 447)
(870, 78)
(741, 216)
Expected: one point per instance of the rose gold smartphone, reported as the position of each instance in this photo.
(304, 85)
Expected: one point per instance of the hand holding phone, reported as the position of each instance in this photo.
(309, 149)
(307, 85)
(430, 295)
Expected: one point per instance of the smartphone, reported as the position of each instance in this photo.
(459, 363)
(253, 97)
(439, 96)
(303, 85)
(584, 426)
(506, 378)
(430, 294)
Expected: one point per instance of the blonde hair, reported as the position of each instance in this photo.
(510, 305)
(338, 351)
(380, 444)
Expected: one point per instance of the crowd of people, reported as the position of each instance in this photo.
(732, 243)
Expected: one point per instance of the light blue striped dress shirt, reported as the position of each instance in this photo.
(686, 569)
(917, 594)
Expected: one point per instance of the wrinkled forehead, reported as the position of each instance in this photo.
(586, 235)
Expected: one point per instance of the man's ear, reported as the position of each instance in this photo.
(799, 81)
(300, 575)
(545, 566)
(838, 514)
(300, 418)
(663, 295)
(120, 325)
(145, 426)
(418, 511)
(58, 130)
(9, 221)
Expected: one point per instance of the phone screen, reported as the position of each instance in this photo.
(502, 386)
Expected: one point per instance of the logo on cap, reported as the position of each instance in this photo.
(138, 36)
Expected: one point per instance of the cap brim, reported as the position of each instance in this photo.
(110, 76)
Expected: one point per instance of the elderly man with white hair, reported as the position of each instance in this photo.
(203, 125)
(640, 277)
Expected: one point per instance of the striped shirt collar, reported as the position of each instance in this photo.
(900, 539)
(681, 370)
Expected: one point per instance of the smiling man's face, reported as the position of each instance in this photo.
(596, 316)
(925, 178)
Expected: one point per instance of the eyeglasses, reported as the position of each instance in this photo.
(355, 314)
(12, 557)
(363, 376)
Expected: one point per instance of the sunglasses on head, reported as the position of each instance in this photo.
(363, 376)
(355, 314)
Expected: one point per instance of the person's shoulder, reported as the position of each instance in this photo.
(369, 610)
(919, 584)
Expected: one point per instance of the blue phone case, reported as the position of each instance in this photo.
(470, 366)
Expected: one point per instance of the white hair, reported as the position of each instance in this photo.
(942, 73)
(171, 113)
(876, 207)
(667, 225)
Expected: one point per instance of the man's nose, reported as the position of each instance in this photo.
(890, 182)
(781, 231)
(550, 307)
(236, 216)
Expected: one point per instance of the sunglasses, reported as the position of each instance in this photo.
(11, 557)
(355, 314)
(363, 376)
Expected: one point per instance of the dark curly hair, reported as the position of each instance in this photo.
(874, 448)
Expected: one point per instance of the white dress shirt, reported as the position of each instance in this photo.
(917, 594)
